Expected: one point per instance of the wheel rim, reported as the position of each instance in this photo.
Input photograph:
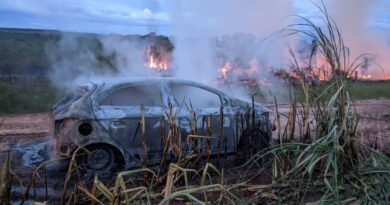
(100, 158)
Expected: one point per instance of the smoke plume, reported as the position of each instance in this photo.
(360, 23)
(208, 35)
(205, 31)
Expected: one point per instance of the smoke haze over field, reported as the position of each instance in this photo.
(82, 57)
(205, 34)
(353, 17)
(363, 24)
(195, 24)
(204, 31)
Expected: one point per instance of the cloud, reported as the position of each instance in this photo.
(90, 11)
(96, 16)
(24, 7)
(126, 16)
(148, 14)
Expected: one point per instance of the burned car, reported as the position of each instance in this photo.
(125, 121)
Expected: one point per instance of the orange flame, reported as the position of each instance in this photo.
(366, 77)
(386, 77)
(232, 72)
(225, 70)
(230, 68)
(294, 75)
(154, 60)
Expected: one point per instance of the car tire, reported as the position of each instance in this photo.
(246, 148)
(102, 160)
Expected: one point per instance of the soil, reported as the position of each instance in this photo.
(373, 125)
(25, 126)
(29, 139)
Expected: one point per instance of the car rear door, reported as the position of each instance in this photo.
(189, 99)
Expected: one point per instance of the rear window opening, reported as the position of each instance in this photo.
(147, 95)
(72, 96)
(195, 96)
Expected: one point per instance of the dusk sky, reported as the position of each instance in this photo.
(131, 17)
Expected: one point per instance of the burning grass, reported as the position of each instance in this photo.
(326, 165)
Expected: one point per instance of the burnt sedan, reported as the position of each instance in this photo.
(121, 121)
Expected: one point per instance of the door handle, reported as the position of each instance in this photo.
(117, 123)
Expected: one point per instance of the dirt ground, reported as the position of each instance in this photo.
(29, 138)
(374, 122)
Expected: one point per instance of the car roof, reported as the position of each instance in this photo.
(107, 83)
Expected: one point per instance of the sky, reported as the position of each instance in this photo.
(130, 17)
(95, 16)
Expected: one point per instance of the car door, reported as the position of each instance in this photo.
(120, 111)
(206, 105)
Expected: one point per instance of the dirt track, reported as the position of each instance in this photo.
(24, 125)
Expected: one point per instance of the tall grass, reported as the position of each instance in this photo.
(329, 165)
(6, 181)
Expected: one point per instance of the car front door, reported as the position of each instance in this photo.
(132, 115)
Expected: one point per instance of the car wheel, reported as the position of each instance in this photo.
(100, 159)
(251, 142)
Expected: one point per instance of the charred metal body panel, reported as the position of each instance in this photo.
(110, 113)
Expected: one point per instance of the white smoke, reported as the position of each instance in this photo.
(79, 58)
(128, 56)
(71, 60)
(354, 18)
(203, 31)
(358, 21)
(242, 27)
